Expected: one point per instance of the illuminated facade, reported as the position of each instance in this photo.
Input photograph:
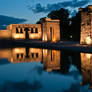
(86, 69)
(86, 25)
(47, 30)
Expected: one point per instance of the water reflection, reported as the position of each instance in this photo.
(24, 86)
(86, 69)
(51, 59)
(55, 61)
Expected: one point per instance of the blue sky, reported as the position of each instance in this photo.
(33, 10)
(18, 8)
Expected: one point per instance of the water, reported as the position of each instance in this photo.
(41, 70)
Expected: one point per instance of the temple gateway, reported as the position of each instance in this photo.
(86, 25)
(47, 30)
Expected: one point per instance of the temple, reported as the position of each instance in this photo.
(86, 25)
(47, 30)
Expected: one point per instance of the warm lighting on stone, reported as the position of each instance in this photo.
(88, 55)
(88, 40)
(86, 25)
(16, 50)
(48, 30)
(54, 39)
(19, 50)
(45, 38)
(16, 36)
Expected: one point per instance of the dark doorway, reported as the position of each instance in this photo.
(26, 33)
(50, 33)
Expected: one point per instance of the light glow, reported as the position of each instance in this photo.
(54, 39)
(88, 40)
(88, 56)
(16, 36)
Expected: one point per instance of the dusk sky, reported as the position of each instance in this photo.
(33, 10)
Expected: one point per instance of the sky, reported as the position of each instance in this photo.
(30, 11)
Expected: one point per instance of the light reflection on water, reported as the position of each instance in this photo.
(33, 69)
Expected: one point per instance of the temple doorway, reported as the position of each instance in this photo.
(26, 33)
(51, 33)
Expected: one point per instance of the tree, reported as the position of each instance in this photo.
(63, 16)
(76, 27)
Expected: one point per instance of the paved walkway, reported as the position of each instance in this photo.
(62, 45)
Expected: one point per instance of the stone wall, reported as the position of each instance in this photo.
(5, 34)
(48, 30)
(86, 25)
(20, 31)
(51, 30)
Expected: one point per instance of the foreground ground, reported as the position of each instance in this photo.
(62, 45)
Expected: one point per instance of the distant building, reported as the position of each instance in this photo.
(86, 25)
(47, 30)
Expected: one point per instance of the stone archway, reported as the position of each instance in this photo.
(26, 33)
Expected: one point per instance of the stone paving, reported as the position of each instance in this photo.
(62, 45)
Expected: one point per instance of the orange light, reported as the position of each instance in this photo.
(88, 55)
(45, 37)
(16, 36)
(88, 40)
(54, 39)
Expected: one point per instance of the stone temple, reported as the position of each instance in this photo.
(47, 30)
(86, 25)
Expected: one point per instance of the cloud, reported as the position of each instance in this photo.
(6, 20)
(73, 88)
(23, 86)
(38, 8)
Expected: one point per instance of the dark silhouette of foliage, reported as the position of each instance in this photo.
(63, 16)
(75, 27)
(38, 22)
(69, 27)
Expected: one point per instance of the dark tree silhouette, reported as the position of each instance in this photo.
(75, 27)
(63, 16)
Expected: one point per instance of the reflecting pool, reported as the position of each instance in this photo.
(43, 70)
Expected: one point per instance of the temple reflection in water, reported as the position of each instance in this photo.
(52, 60)
(86, 69)
(49, 58)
